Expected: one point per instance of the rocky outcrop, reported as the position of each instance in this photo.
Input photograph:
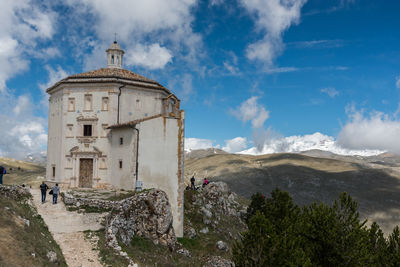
(217, 261)
(15, 192)
(145, 214)
(216, 200)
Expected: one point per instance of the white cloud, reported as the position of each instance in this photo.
(23, 104)
(24, 24)
(236, 144)
(251, 110)
(152, 57)
(197, 143)
(376, 131)
(21, 131)
(318, 44)
(330, 91)
(165, 25)
(272, 17)
(398, 82)
(231, 68)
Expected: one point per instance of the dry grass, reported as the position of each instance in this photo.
(22, 172)
(22, 244)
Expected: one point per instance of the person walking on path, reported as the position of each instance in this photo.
(192, 180)
(2, 171)
(43, 189)
(56, 190)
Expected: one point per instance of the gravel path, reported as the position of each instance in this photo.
(67, 229)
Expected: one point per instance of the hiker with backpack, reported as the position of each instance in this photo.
(43, 189)
(2, 172)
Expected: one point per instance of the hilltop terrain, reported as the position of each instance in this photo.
(311, 176)
(22, 172)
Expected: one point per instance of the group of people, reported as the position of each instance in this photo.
(193, 180)
(54, 191)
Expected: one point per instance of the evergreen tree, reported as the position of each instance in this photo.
(282, 234)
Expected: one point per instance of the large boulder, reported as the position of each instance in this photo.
(146, 214)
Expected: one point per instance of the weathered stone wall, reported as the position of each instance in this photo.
(14, 192)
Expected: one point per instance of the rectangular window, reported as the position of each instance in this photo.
(71, 104)
(138, 104)
(120, 164)
(121, 141)
(88, 103)
(70, 130)
(87, 130)
(104, 105)
(103, 164)
(104, 130)
(54, 171)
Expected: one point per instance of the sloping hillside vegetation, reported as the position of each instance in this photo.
(24, 237)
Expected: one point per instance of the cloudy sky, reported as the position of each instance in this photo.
(248, 71)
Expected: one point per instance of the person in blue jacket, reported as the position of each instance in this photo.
(2, 171)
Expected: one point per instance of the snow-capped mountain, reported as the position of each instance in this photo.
(295, 144)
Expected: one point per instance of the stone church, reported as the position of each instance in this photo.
(112, 128)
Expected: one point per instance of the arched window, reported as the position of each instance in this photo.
(112, 59)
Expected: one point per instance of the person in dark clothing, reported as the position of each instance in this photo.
(2, 171)
(192, 180)
(43, 189)
(56, 190)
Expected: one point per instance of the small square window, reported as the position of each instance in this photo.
(104, 105)
(71, 104)
(88, 103)
(121, 140)
(120, 164)
(87, 130)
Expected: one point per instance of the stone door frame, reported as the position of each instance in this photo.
(76, 156)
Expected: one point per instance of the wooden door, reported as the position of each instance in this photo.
(86, 173)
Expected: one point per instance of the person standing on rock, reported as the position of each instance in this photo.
(205, 182)
(56, 190)
(43, 189)
(2, 171)
(192, 180)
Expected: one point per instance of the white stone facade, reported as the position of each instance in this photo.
(109, 128)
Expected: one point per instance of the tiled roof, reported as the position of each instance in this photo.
(133, 123)
(111, 75)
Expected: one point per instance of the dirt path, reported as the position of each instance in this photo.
(67, 229)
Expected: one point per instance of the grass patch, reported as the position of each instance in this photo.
(108, 256)
(19, 241)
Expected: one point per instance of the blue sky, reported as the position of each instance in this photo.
(272, 68)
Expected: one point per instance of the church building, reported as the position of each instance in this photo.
(112, 128)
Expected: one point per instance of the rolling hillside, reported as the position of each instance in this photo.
(373, 182)
(22, 172)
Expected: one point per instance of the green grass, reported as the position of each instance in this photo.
(108, 256)
(18, 241)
